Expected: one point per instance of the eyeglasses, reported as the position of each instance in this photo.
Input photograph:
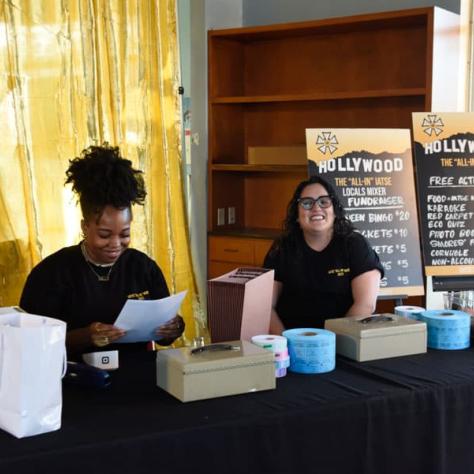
(308, 203)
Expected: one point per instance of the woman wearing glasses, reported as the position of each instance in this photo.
(323, 268)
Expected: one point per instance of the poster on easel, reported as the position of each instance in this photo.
(444, 160)
(372, 171)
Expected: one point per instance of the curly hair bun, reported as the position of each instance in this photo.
(102, 177)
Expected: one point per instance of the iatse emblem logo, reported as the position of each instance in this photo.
(327, 141)
(432, 125)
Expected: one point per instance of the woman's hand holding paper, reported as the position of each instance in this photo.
(171, 330)
(102, 334)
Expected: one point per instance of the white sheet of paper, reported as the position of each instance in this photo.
(140, 318)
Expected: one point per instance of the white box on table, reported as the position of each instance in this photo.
(378, 337)
(210, 373)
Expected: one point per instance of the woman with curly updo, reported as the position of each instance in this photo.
(323, 268)
(86, 285)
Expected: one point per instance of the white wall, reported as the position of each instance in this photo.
(199, 146)
(223, 14)
(263, 12)
(193, 58)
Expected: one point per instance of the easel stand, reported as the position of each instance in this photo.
(398, 299)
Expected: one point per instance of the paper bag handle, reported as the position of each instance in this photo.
(64, 362)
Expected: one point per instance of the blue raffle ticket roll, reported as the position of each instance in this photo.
(312, 351)
(410, 312)
(447, 328)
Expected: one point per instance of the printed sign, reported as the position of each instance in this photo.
(372, 170)
(444, 157)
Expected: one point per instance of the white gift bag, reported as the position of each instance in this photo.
(32, 363)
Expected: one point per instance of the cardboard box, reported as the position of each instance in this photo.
(192, 376)
(239, 304)
(378, 338)
(277, 155)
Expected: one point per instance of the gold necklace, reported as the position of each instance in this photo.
(100, 277)
(105, 277)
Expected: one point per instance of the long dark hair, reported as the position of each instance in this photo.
(292, 235)
(102, 177)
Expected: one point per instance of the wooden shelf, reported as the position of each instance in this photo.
(320, 96)
(250, 232)
(244, 168)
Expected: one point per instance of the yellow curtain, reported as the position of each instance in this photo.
(77, 73)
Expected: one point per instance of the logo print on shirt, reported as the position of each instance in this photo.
(339, 271)
(138, 296)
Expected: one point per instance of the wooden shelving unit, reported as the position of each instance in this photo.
(260, 168)
(268, 84)
(322, 96)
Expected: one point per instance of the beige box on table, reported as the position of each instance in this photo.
(210, 373)
(277, 155)
(378, 337)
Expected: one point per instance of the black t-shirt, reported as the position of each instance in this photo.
(317, 285)
(63, 286)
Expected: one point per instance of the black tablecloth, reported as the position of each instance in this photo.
(409, 414)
